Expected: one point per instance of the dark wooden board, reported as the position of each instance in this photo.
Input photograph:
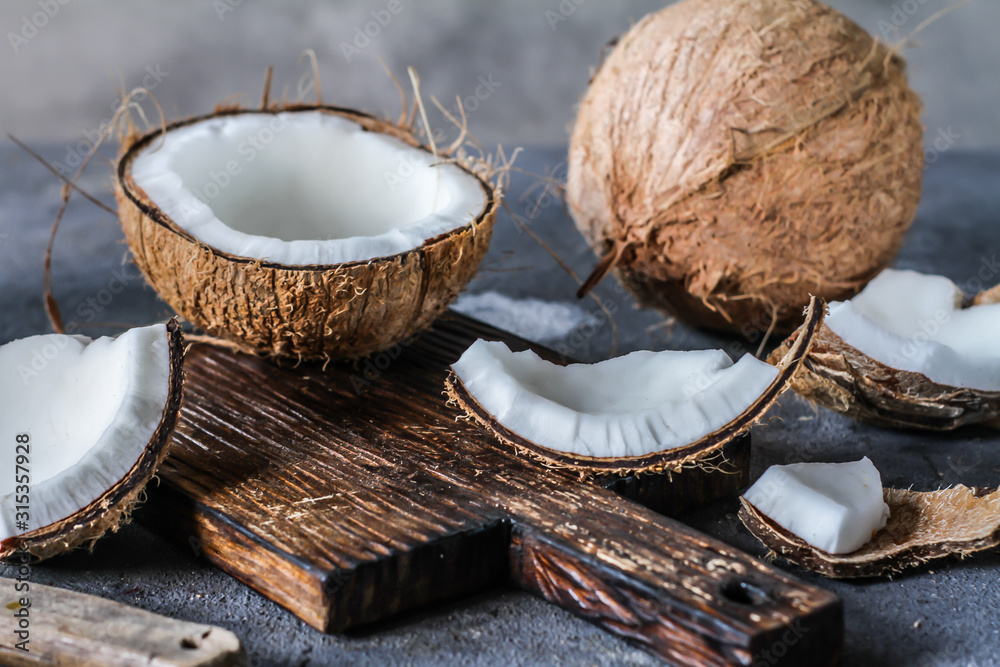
(353, 493)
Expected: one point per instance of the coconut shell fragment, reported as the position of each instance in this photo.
(985, 297)
(114, 506)
(922, 526)
(322, 312)
(845, 380)
(671, 460)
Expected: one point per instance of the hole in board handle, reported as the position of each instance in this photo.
(744, 592)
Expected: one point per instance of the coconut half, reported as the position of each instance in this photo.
(922, 526)
(308, 232)
(906, 353)
(86, 424)
(645, 411)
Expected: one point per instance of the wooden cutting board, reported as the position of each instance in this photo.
(353, 493)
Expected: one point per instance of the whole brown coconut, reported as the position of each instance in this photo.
(732, 157)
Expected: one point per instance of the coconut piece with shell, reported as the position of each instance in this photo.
(309, 232)
(87, 422)
(733, 157)
(905, 353)
(642, 412)
(792, 509)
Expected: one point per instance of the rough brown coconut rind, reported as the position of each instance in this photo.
(921, 527)
(986, 297)
(744, 154)
(671, 460)
(845, 380)
(306, 312)
(114, 506)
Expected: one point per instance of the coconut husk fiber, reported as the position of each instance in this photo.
(733, 157)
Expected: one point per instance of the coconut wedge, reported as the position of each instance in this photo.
(85, 425)
(904, 353)
(309, 232)
(835, 507)
(922, 526)
(643, 412)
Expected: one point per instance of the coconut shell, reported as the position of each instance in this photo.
(304, 312)
(845, 380)
(987, 297)
(671, 460)
(114, 506)
(921, 527)
(732, 157)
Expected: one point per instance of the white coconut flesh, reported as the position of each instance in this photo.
(637, 404)
(915, 322)
(303, 188)
(835, 507)
(89, 408)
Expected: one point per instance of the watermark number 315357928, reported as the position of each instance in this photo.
(22, 480)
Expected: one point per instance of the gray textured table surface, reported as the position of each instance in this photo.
(945, 614)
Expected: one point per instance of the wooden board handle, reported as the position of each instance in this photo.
(685, 597)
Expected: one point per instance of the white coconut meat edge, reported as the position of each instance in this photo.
(89, 407)
(303, 188)
(634, 405)
(914, 322)
(835, 507)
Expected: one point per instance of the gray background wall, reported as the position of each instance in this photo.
(62, 80)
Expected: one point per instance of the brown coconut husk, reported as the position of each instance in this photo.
(671, 460)
(986, 297)
(114, 506)
(846, 380)
(922, 526)
(303, 312)
(732, 157)
(989, 296)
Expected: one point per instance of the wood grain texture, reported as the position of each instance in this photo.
(351, 494)
(69, 628)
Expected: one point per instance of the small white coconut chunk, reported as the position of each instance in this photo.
(914, 322)
(89, 408)
(835, 507)
(633, 405)
(303, 188)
